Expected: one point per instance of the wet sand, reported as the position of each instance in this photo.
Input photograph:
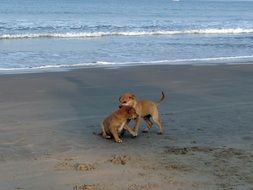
(48, 121)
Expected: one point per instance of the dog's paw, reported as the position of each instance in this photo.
(135, 134)
(106, 136)
(118, 141)
(159, 133)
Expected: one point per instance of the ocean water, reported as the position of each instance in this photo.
(53, 34)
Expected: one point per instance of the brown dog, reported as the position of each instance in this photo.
(117, 121)
(145, 108)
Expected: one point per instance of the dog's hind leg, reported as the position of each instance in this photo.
(148, 122)
(157, 120)
(104, 133)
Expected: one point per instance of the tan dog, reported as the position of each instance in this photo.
(117, 121)
(145, 108)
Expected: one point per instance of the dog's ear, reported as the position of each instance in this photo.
(132, 96)
(120, 98)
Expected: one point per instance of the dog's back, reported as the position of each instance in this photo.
(145, 108)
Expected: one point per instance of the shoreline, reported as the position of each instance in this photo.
(221, 61)
(48, 120)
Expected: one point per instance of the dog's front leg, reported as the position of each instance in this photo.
(137, 124)
(123, 131)
(115, 135)
(131, 131)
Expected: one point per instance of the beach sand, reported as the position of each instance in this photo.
(48, 121)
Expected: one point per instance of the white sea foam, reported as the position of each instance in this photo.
(197, 61)
(59, 66)
(128, 33)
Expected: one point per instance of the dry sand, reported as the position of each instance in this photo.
(48, 120)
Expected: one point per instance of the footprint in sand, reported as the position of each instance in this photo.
(143, 186)
(85, 187)
(85, 167)
(120, 159)
(90, 187)
(69, 164)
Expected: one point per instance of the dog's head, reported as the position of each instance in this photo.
(131, 113)
(127, 99)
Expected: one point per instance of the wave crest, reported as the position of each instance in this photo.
(127, 33)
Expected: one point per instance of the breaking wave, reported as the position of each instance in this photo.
(128, 33)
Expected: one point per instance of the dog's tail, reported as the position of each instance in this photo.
(161, 99)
